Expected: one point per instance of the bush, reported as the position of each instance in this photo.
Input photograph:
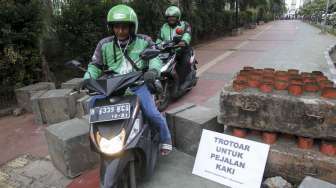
(21, 26)
(150, 15)
(208, 19)
(76, 32)
(80, 26)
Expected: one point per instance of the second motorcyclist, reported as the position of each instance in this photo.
(167, 33)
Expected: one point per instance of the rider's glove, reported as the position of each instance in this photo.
(151, 75)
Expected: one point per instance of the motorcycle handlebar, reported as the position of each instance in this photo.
(167, 46)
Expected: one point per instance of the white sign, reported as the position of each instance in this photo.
(230, 160)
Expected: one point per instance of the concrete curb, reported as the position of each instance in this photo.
(332, 69)
(186, 124)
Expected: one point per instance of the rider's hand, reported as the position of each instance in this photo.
(182, 44)
(150, 76)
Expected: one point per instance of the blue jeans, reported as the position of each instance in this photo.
(151, 112)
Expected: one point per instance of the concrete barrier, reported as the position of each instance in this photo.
(310, 182)
(24, 94)
(170, 117)
(58, 105)
(82, 106)
(72, 84)
(35, 104)
(69, 147)
(188, 123)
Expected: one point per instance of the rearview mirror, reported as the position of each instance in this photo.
(74, 64)
(149, 53)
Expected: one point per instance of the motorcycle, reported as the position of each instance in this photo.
(169, 78)
(128, 146)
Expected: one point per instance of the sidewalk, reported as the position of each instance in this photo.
(279, 45)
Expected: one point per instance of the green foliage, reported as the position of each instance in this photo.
(21, 26)
(80, 26)
(150, 15)
(313, 8)
(207, 18)
(264, 10)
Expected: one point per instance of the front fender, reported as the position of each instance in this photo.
(111, 170)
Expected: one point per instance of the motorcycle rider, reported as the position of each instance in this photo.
(167, 33)
(119, 52)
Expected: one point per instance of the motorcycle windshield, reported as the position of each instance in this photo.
(108, 86)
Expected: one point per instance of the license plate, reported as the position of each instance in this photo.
(110, 113)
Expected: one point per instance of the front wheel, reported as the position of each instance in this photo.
(132, 175)
(163, 98)
(128, 179)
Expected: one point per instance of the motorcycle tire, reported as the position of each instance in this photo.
(128, 179)
(162, 99)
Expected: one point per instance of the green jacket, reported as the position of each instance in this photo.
(108, 54)
(167, 33)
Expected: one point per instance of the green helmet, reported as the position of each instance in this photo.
(122, 13)
(173, 11)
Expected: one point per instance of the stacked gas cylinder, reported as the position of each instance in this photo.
(278, 103)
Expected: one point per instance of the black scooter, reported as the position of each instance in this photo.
(119, 132)
(169, 78)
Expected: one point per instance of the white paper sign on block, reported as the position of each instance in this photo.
(231, 161)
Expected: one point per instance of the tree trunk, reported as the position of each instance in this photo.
(44, 64)
(46, 74)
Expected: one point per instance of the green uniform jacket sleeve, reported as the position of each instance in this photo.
(92, 72)
(159, 37)
(156, 64)
(187, 33)
(96, 65)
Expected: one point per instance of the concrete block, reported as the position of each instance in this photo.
(310, 182)
(308, 115)
(72, 84)
(286, 160)
(189, 124)
(170, 117)
(82, 106)
(69, 147)
(36, 107)
(213, 102)
(58, 105)
(24, 94)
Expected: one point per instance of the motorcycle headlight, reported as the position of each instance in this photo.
(113, 145)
